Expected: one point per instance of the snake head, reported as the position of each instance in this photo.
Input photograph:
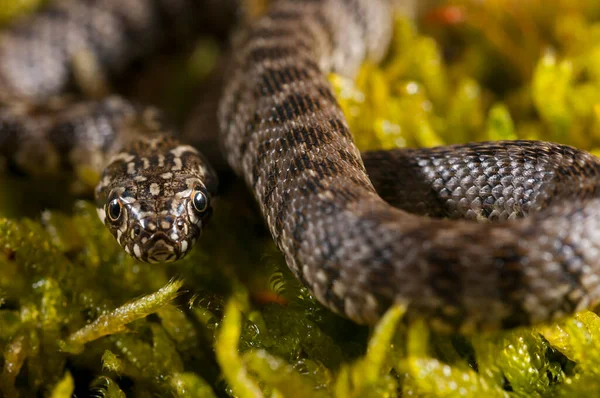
(156, 199)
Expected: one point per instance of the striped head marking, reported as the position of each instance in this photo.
(156, 201)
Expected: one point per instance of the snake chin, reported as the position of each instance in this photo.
(162, 249)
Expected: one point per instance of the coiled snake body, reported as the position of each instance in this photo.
(282, 130)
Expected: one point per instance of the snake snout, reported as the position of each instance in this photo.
(161, 249)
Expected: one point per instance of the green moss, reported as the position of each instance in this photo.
(78, 316)
(64, 388)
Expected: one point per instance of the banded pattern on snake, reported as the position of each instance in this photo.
(282, 130)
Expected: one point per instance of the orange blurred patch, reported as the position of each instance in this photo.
(445, 15)
(267, 297)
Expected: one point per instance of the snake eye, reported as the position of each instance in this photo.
(114, 209)
(200, 200)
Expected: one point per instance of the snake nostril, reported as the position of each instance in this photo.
(180, 224)
(137, 230)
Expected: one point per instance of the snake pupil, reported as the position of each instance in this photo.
(114, 209)
(200, 202)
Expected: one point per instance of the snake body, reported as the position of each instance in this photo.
(283, 131)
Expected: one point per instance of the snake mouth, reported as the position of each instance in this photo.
(161, 250)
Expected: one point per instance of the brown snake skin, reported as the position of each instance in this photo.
(282, 130)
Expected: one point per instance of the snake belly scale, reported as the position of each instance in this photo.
(283, 131)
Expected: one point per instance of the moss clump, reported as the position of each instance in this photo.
(530, 72)
(78, 316)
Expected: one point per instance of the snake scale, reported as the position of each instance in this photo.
(411, 231)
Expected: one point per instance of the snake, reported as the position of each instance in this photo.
(478, 236)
